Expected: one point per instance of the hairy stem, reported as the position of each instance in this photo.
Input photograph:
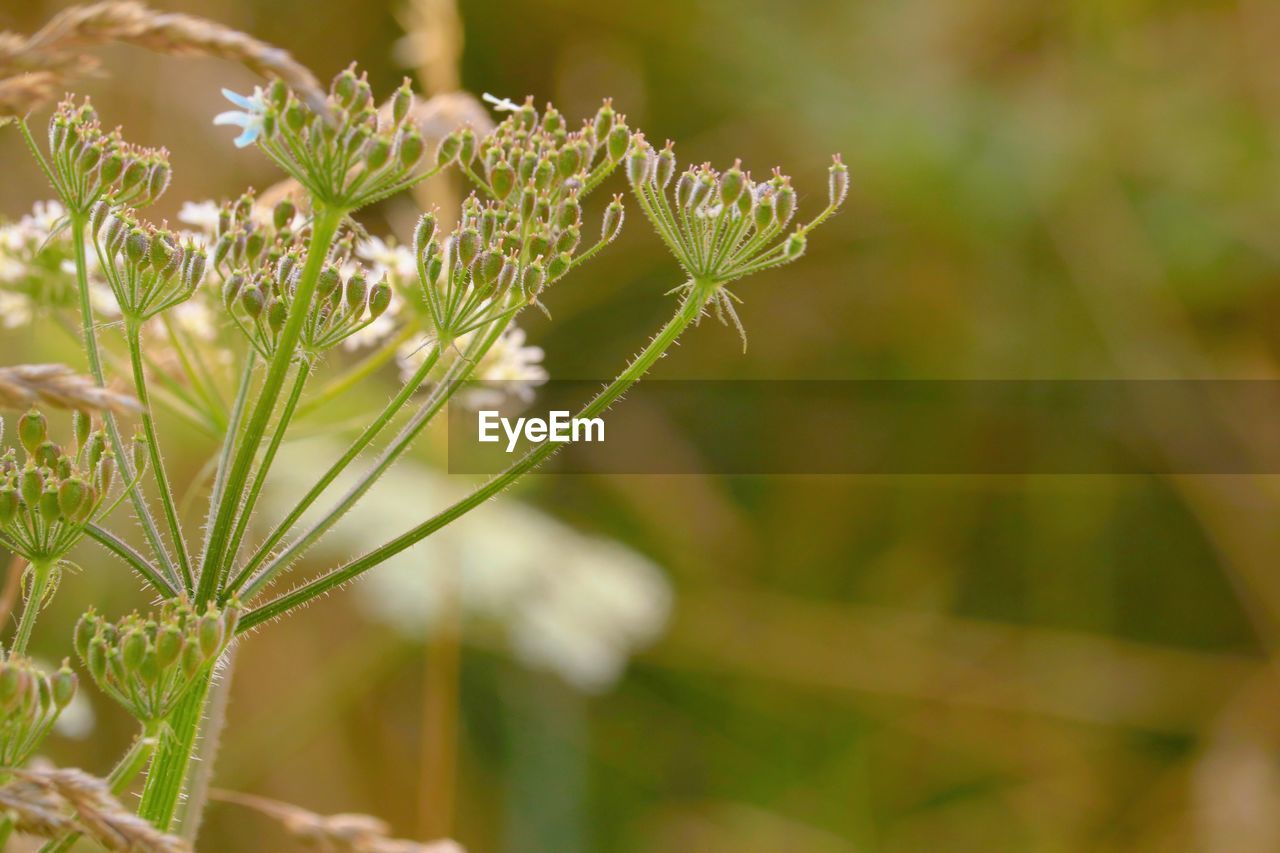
(699, 293)
(133, 337)
(168, 773)
(123, 459)
(41, 573)
(324, 226)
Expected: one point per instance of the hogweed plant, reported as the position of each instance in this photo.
(229, 324)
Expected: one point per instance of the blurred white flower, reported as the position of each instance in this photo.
(201, 215)
(511, 369)
(572, 604)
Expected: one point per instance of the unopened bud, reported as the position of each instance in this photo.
(448, 148)
(411, 147)
(379, 299)
(502, 179)
(401, 102)
(33, 430)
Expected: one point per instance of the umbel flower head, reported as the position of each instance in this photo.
(87, 164)
(347, 155)
(46, 501)
(148, 268)
(533, 157)
(30, 703)
(259, 301)
(722, 226)
(246, 237)
(147, 663)
(500, 258)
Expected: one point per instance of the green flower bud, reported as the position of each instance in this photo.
(785, 203)
(411, 148)
(401, 102)
(86, 627)
(252, 301)
(448, 148)
(80, 425)
(192, 659)
(12, 684)
(379, 299)
(502, 179)
(424, 232)
(838, 182)
(106, 472)
(618, 141)
(604, 119)
(794, 247)
(379, 153)
(467, 146)
(30, 487)
(277, 315)
(133, 648)
(611, 225)
(63, 686)
(8, 505)
(282, 215)
(47, 455)
(357, 291)
(559, 266)
(209, 634)
(70, 495)
(468, 246)
(50, 511)
(33, 430)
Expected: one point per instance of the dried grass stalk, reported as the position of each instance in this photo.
(339, 833)
(53, 802)
(57, 50)
(57, 385)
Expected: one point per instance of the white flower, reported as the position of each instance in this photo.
(249, 117)
(397, 261)
(568, 603)
(510, 368)
(202, 215)
(15, 309)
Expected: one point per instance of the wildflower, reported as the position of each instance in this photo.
(148, 268)
(250, 116)
(90, 164)
(343, 153)
(201, 215)
(30, 703)
(148, 664)
(510, 369)
(573, 605)
(46, 502)
(722, 226)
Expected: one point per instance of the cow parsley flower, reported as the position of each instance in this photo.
(250, 116)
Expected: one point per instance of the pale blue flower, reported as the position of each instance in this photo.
(501, 104)
(254, 110)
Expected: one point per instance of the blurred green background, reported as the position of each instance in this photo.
(1082, 189)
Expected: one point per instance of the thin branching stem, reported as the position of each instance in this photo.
(695, 301)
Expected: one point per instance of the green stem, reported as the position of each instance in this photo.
(136, 561)
(324, 226)
(358, 372)
(41, 572)
(122, 775)
(699, 293)
(133, 336)
(365, 438)
(123, 459)
(260, 477)
(168, 771)
(439, 396)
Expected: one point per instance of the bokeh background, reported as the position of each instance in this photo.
(1083, 189)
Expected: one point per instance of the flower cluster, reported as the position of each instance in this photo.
(36, 269)
(46, 502)
(148, 664)
(260, 301)
(348, 154)
(531, 156)
(87, 164)
(723, 226)
(30, 702)
(148, 268)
